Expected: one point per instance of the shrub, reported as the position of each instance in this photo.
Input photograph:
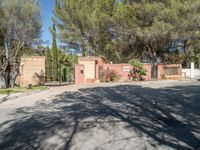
(138, 71)
(109, 76)
(135, 63)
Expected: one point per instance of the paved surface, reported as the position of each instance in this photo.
(10, 96)
(4, 97)
(161, 115)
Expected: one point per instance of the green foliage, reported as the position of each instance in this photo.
(142, 72)
(109, 76)
(122, 30)
(21, 90)
(20, 29)
(25, 21)
(84, 24)
(138, 71)
(135, 63)
(55, 55)
(59, 66)
(68, 62)
(48, 62)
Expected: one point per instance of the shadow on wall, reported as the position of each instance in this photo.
(39, 78)
(166, 117)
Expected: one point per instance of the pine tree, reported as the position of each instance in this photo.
(126, 29)
(84, 25)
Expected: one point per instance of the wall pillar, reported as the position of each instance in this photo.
(160, 71)
(192, 70)
(79, 74)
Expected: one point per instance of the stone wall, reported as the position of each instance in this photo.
(32, 71)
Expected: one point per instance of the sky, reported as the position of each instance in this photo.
(47, 7)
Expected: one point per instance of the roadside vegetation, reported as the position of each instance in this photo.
(21, 90)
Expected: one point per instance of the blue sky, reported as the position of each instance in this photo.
(47, 7)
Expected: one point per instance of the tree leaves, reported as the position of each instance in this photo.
(126, 29)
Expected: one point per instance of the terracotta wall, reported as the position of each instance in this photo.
(160, 71)
(89, 67)
(162, 74)
(79, 74)
(122, 69)
(147, 67)
(92, 66)
(32, 71)
(100, 60)
(98, 64)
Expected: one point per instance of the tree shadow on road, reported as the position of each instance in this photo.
(166, 117)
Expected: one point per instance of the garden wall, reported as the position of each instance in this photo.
(32, 71)
(89, 68)
(123, 70)
(169, 71)
(187, 73)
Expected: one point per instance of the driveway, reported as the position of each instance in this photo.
(161, 115)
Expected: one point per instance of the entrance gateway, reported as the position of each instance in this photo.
(88, 69)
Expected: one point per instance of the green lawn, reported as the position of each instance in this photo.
(21, 90)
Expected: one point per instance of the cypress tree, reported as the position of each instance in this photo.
(48, 63)
(55, 54)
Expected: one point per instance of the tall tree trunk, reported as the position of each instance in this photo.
(8, 74)
(3, 66)
(83, 50)
(185, 47)
(14, 71)
(2, 81)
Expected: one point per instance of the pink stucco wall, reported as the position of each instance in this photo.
(99, 62)
(79, 74)
(147, 67)
(160, 71)
(119, 68)
(123, 70)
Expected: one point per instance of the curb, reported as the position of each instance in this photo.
(2, 100)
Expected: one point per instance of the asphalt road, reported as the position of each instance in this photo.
(162, 115)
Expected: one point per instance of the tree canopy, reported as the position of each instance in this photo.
(122, 30)
(20, 22)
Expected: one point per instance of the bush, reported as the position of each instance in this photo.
(137, 72)
(109, 76)
(135, 63)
